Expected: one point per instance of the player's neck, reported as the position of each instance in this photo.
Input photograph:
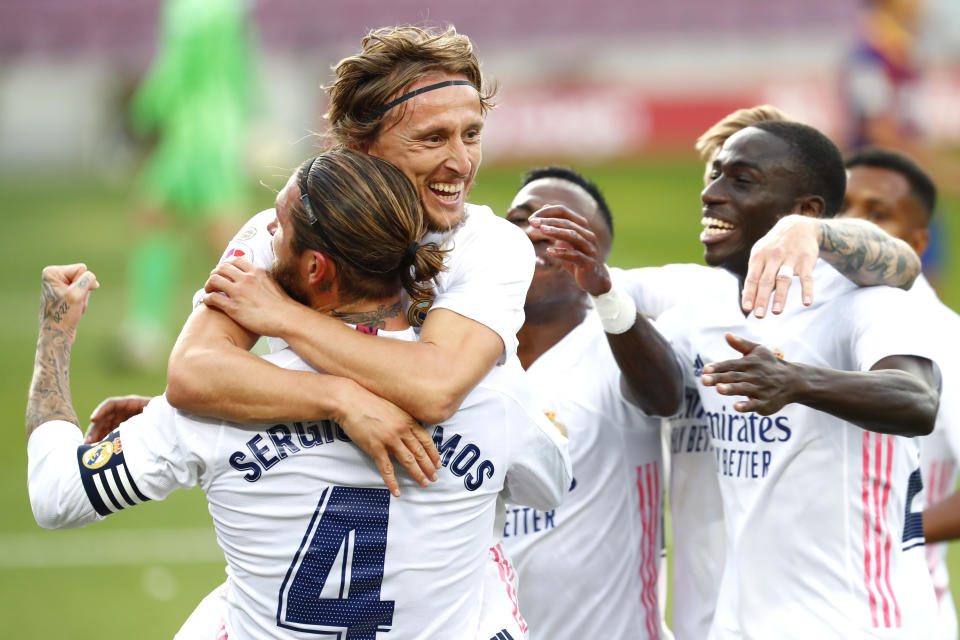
(544, 326)
(386, 314)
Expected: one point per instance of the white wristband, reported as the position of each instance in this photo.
(617, 310)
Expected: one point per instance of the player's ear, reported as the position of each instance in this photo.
(811, 206)
(318, 267)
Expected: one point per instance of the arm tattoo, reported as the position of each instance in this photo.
(49, 397)
(374, 318)
(867, 255)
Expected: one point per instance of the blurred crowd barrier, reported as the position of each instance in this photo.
(578, 78)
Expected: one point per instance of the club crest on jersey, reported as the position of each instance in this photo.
(552, 417)
(417, 313)
(98, 455)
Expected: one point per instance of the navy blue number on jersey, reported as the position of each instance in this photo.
(913, 520)
(334, 580)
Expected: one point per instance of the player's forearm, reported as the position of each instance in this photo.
(231, 383)
(650, 374)
(427, 379)
(941, 521)
(883, 400)
(49, 396)
(867, 255)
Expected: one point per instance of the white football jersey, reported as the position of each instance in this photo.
(313, 542)
(696, 509)
(588, 569)
(489, 269)
(823, 518)
(940, 451)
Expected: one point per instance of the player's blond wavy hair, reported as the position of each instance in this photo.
(368, 218)
(713, 138)
(390, 60)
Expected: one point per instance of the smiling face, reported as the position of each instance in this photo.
(552, 285)
(434, 138)
(883, 196)
(752, 184)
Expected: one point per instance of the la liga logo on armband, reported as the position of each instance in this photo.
(100, 454)
(778, 353)
(417, 312)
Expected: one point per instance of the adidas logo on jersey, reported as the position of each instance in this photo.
(698, 366)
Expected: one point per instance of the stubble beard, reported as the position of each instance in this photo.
(287, 277)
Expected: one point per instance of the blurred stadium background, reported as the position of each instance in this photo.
(617, 90)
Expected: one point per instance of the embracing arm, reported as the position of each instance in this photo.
(866, 254)
(897, 396)
(863, 252)
(429, 378)
(211, 372)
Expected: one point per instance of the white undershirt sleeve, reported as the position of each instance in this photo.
(56, 492)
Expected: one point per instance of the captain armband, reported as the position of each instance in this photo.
(106, 479)
(617, 310)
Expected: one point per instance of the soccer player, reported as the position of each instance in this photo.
(892, 191)
(313, 543)
(588, 568)
(416, 98)
(695, 503)
(861, 252)
(818, 482)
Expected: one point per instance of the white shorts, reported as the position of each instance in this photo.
(208, 620)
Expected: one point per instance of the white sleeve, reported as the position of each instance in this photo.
(252, 242)
(53, 477)
(488, 275)
(885, 322)
(656, 289)
(72, 484)
(540, 470)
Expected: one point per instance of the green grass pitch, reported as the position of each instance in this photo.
(140, 573)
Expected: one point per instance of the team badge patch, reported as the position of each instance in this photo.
(552, 417)
(98, 455)
(778, 353)
(107, 481)
(417, 312)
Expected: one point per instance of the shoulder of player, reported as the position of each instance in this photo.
(483, 224)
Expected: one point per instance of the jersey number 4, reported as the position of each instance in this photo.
(334, 581)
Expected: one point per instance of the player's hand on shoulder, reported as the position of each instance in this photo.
(110, 413)
(575, 245)
(761, 375)
(248, 294)
(789, 249)
(383, 430)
